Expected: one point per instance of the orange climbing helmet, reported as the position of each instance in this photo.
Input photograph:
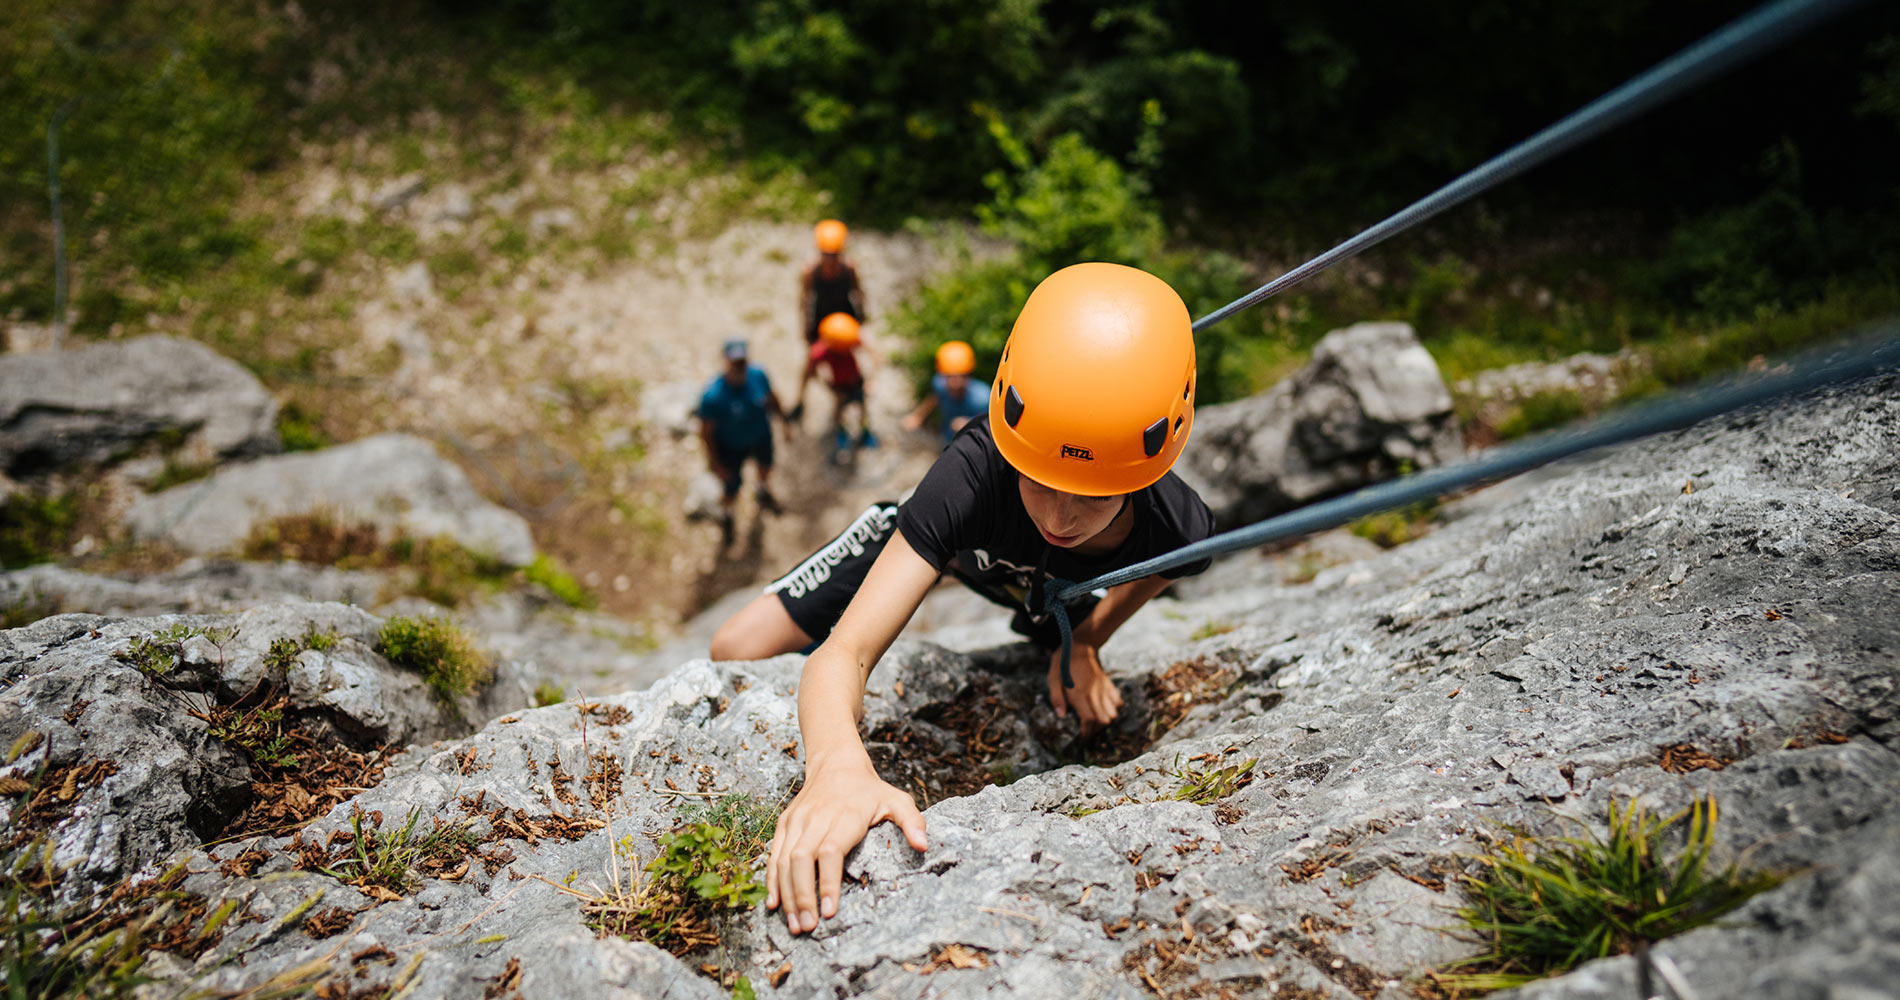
(1095, 391)
(955, 358)
(829, 235)
(839, 330)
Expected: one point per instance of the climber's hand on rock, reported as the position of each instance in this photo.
(837, 807)
(1095, 699)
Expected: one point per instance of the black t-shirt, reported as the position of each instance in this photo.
(967, 518)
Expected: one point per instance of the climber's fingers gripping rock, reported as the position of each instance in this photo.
(837, 807)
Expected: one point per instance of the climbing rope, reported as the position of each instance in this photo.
(1726, 48)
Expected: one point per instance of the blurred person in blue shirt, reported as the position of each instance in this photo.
(735, 421)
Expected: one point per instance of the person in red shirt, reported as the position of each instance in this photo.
(839, 339)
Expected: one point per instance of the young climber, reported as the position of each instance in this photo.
(735, 421)
(839, 340)
(830, 285)
(960, 397)
(1066, 476)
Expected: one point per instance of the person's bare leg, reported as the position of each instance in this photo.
(760, 629)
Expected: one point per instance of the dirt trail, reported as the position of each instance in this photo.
(590, 378)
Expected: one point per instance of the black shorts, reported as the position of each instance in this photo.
(847, 394)
(816, 591)
(735, 460)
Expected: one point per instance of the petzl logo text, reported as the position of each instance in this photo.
(1071, 451)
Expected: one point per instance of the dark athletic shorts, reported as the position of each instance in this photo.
(816, 591)
(735, 460)
(853, 393)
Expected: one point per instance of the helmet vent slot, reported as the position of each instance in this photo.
(1177, 424)
(1013, 407)
(1155, 437)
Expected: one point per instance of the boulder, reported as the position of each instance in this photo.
(1713, 612)
(1369, 406)
(145, 777)
(397, 482)
(199, 586)
(94, 404)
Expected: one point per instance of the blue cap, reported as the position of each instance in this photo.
(735, 350)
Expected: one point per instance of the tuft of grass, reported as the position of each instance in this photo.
(1542, 410)
(569, 591)
(548, 693)
(1545, 905)
(1210, 629)
(36, 528)
(297, 429)
(1205, 786)
(438, 569)
(1392, 528)
(706, 865)
(389, 859)
(443, 654)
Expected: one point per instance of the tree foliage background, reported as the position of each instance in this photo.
(1075, 128)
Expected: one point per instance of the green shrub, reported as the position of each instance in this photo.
(36, 528)
(443, 654)
(297, 429)
(546, 572)
(1545, 905)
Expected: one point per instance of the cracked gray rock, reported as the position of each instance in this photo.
(1733, 587)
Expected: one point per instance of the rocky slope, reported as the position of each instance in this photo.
(1715, 611)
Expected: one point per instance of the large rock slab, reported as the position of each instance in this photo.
(1369, 406)
(397, 482)
(150, 778)
(1733, 588)
(89, 406)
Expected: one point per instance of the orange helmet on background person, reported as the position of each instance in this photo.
(829, 235)
(1095, 391)
(839, 330)
(955, 358)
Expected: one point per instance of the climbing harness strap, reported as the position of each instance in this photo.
(1726, 48)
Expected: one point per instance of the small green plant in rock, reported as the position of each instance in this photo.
(258, 731)
(282, 654)
(1392, 528)
(389, 858)
(319, 640)
(1210, 629)
(157, 654)
(444, 655)
(548, 693)
(1204, 786)
(1545, 905)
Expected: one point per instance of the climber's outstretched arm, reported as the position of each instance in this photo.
(843, 797)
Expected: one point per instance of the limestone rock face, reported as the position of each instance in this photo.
(84, 407)
(148, 778)
(397, 482)
(1369, 405)
(1714, 612)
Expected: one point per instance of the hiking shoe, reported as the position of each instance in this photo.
(866, 439)
(769, 503)
(842, 440)
(725, 527)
